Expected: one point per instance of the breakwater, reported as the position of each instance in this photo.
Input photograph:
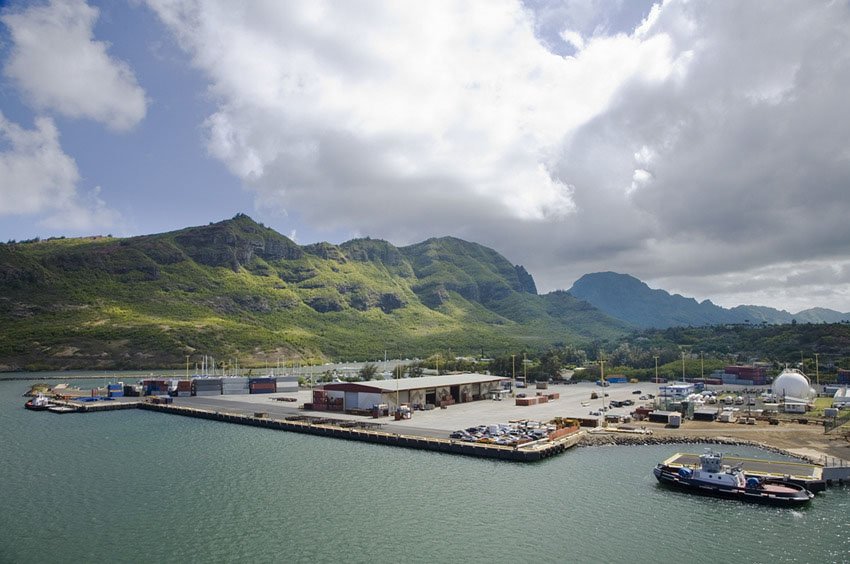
(602, 439)
(524, 453)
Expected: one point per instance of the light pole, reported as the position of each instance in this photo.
(656, 368)
(513, 369)
(817, 370)
(602, 380)
(524, 371)
(683, 367)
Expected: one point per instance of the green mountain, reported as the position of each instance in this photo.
(626, 298)
(236, 289)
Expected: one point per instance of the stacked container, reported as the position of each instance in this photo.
(115, 390)
(184, 388)
(262, 385)
(286, 384)
(155, 387)
(206, 387)
(234, 385)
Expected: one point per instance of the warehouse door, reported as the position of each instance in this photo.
(455, 392)
(351, 400)
(431, 396)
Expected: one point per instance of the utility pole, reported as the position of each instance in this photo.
(701, 366)
(683, 367)
(513, 367)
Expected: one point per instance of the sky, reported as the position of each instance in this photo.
(701, 146)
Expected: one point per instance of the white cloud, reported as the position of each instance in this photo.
(83, 215)
(574, 38)
(37, 177)
(376, 101)
(60, 67)
(710, 138)
(36, 174)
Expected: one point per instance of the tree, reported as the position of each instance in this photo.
(368, 372)
(550, 365)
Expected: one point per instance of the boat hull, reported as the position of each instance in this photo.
(34, 407)
(787, 494)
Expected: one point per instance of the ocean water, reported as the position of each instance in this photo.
(137, 486)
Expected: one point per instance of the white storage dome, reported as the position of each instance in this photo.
(792, 383)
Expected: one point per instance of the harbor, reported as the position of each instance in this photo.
(203, 489)
(282, 418)
(486, 420)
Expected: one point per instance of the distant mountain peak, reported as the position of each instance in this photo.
(627, 298)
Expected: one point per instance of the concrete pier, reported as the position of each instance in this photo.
(76, 406)
(533, 452)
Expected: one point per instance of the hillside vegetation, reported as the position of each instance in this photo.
(238, 289)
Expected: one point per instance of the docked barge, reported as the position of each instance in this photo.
(714, 478)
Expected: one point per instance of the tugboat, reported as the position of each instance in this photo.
(38, 403)
(720, 480)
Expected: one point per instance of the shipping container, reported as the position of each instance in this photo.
(527, 401)
(674, 419)
(286, 383)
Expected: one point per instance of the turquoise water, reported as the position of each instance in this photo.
(134, 486)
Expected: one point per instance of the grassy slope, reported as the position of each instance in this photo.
(237, 288)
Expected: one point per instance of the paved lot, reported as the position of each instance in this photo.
(574, 402)
(805, 440)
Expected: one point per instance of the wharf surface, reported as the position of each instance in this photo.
(293, 420)
(343, 430)
(76, 406)
(808, 475)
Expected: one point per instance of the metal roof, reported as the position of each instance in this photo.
(404, 384)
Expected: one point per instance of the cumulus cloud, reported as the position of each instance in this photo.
(708, 139)
(748, 147)
(37, 177)
(431, 111)
(60, 67)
